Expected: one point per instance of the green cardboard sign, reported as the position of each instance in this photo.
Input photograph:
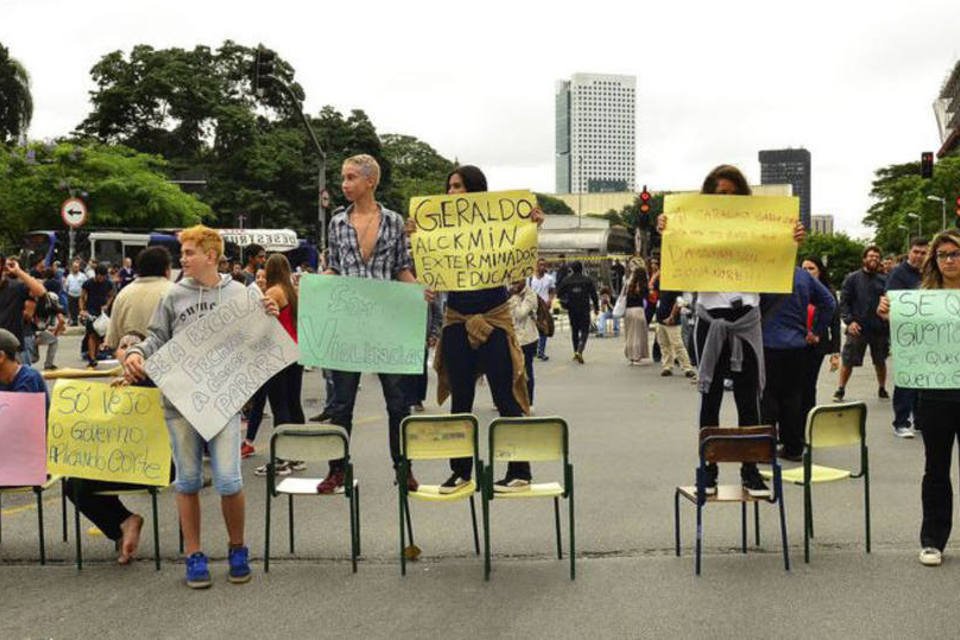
(361, 324)
(925, 338)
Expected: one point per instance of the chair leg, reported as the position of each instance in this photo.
(43, 551)
(76, 525)
(485, 504)
(676, 520)
(473, 520)
(290, 514)
(699, 537)
(356, 498)
(400, 502)
(353, 529)
(573, 529)
(266, 532)
(406, 509)
(807, 524)
(556, 519)
(756, 522)
(63, 507)
(743, 527)
(156, 529)
(783, 521)
(866, 503)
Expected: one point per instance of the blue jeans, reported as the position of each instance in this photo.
(602, 324)
(187, 447)
(904, 403)
(542, 346)
(345, 385)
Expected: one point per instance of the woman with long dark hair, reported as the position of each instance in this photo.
(478, 335)
(283, 389)
(939, 411)
(635, 328)
(827, 342)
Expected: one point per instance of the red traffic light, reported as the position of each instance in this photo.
(926, 164)
(645, 200)
(958, 205)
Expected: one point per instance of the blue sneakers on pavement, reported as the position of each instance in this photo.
(239, 565)
(198, 575)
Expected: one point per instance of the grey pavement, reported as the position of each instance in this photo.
(633, 440)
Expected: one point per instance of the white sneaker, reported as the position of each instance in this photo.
(903, 432)
(930, 557)
(511, 486)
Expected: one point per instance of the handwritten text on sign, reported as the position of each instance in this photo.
(361, 324)
(100, 432)
(213, 366)
(23, 422)
(729, 243)
(470, 241)
(925, 338)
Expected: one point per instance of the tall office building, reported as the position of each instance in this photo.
(946, 108)
(789, 166)
(822, 224)
(596, 137)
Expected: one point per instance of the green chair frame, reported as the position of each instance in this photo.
(38, 490)
(133, 490)
(744, 444)
(534, 439)
(311, 442)
(821, 419)
(441, 451)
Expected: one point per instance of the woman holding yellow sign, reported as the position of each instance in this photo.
(729, 343)
(478, 335)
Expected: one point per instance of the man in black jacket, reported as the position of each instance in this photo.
(576, 294)
(906, 275)
(858, 310)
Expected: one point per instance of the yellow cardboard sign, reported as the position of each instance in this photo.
(99, 432)
(729, 243)
(470, 241)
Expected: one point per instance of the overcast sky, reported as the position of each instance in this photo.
(716, 82)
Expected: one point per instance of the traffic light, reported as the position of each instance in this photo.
(263, 68)
(926, 164)
(644, 201)
(958, 209)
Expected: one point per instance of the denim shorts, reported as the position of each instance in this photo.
(187, 447)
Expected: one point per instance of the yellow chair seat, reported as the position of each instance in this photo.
(541, 490)
(25, 489)
(431, 493)
(817, 474)
(118, 493)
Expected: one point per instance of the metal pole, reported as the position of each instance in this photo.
(943, 214)
(72, 234)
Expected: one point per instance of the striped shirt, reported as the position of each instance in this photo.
(390, 254)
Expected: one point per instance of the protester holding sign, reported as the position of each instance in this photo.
(939, 402)
(184, 305)
(729, 341)
(16, 287)
(367, 240)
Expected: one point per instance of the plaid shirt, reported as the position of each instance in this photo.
(390, 254)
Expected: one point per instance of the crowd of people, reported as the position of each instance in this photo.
(752, 344)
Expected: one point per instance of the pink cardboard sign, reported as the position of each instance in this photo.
(23, 427)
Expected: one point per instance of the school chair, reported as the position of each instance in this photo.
(310, 442)
(436, 437)
(832, 426)
(536, 439)
(39, 490)
(745, 444)
(129, 490)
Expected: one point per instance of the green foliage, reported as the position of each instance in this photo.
(553, 206)
(16, 102)
(899, 190)
(418, 170)
(123, 187)
(839, 253)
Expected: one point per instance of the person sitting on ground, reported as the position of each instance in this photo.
(606, 313)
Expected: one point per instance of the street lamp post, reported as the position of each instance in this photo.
(906, 241)
(943, 210)
(913, 216)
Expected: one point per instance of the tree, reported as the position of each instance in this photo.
(900, 190)
(417, 168)
(122, 187)
(840, 254)
(16, 102)
(553, 206)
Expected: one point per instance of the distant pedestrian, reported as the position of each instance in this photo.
(827, 340)
(578, 294)
(668, 336)
(523, 308)
(635, 328)
(545, 286)
(858, 310)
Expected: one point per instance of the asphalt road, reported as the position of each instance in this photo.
(633, 440)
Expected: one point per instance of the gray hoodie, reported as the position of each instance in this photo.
(185, 303)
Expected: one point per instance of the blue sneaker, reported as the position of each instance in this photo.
(239, 565)
(198, 576)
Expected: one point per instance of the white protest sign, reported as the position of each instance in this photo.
(211, 368)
